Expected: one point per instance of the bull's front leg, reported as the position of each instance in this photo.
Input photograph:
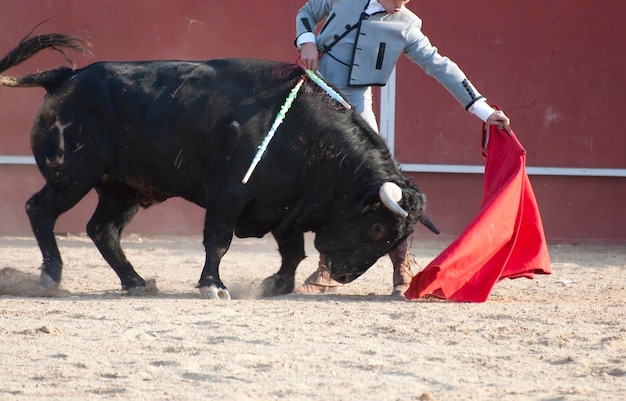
(217, 239)
(291, 248)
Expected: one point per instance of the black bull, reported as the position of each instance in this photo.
(142, 132)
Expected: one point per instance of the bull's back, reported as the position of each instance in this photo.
(180, 93)
(162, 122)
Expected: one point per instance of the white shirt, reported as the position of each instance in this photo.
(373, 7)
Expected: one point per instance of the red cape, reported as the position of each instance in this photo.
(504, 240)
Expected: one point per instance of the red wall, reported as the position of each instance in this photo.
(556, 67)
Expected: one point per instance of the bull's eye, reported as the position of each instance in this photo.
(376, 232)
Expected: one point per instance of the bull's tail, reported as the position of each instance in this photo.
(28, 47)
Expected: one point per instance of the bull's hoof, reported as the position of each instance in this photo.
(213, 292)
(148, 288)
(276, 285)
(136, 291)
(48, 282)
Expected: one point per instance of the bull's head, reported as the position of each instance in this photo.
(354, 245)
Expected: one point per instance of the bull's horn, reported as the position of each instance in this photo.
(429, 224)
(390, 194)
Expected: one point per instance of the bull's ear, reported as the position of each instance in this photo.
(418, 202)
(415, 200)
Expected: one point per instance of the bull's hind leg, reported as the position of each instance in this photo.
(291, 248)
(43, 209)
(117, 205)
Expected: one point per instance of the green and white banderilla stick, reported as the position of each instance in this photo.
(283, 111)
(277, 121)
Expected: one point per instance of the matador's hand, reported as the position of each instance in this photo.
(500, 119)
(309, 55)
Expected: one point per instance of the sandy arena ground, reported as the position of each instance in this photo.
(558, 337)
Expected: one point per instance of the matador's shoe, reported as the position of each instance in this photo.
(402, 274)
(319, 282)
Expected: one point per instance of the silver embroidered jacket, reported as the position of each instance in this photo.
(368, 46)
